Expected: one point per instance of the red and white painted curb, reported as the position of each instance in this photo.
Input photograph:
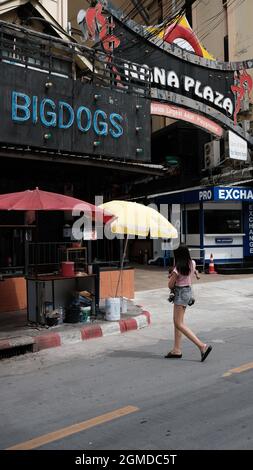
(16, 342)
(74, 335)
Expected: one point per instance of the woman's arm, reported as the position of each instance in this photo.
(197, 274)
(172, 280)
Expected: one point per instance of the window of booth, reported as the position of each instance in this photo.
(223, 221)
(191, 222)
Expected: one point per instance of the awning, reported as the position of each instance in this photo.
(13, 151)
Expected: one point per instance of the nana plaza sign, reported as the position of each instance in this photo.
(188, 85)
(177, 78)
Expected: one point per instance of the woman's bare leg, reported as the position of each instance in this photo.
(177, 340)
(179, 311)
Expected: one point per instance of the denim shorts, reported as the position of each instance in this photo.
(182, 295)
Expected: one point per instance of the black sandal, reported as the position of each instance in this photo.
(172, 355)
(205, 353)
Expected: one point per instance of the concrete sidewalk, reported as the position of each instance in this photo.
(151, 290)
(32, 338)
(155, 277)
(221, 304)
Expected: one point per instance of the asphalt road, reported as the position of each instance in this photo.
(120, 393)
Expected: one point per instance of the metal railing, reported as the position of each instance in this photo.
(27, 48)
(50, 255)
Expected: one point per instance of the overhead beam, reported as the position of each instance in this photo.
(85, 161)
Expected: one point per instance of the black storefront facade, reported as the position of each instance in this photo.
(66, 130)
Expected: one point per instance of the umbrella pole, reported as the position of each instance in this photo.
(36, 237)
(35, 271)
(26, 241)
(121, 266)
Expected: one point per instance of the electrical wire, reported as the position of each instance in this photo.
(167, 17)
(136, 9)
(157, 29)
(206, 25)
(219, 22)
(172, 14)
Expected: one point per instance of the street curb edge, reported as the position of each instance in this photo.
(48, 340)
(95, 331)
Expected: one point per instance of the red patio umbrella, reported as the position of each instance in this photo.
(37, 200)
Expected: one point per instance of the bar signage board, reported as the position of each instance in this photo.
(71, 116)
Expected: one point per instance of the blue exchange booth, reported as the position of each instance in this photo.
(215, 220)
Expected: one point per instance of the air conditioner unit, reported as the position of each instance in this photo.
(212, 154)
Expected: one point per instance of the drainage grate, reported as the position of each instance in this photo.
(16, 351)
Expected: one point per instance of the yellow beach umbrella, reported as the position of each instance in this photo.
(137, 219)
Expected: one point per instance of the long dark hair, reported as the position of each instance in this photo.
(183, 260)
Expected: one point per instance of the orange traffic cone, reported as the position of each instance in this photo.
(211, 265)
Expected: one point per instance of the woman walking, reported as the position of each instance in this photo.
(180, 281)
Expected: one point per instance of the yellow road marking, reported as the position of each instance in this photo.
(239, 369)
(75, 428)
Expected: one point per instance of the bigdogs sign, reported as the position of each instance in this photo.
(72, 116)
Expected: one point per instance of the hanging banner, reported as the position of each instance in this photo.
(175, 112)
